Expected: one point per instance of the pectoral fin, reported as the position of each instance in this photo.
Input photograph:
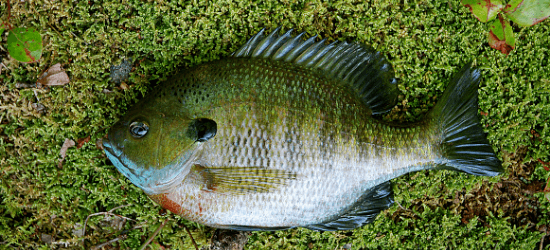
(241, 180)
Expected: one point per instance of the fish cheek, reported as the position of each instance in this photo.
(174, 143)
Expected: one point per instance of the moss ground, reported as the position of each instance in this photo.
(43, 203)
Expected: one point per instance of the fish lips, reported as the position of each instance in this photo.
(136, 174)
(111, 147)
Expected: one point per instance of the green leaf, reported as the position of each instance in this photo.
(2, 28)
(484, 10)
(527, 12)
(501, 36)
(25, 44)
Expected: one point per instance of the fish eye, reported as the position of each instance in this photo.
(138, 129)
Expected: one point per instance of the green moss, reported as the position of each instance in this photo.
(426, 41)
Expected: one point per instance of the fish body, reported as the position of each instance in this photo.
(282, 135)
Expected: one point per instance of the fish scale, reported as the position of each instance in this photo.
(334, 150)
(282, 134)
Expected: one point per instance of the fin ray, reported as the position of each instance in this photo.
(464, 143)
(362, 212)
(240, 180)
(355, 64)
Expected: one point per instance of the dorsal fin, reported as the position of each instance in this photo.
(366, 70)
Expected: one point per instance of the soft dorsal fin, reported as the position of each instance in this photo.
(364, 211)
(366, 70)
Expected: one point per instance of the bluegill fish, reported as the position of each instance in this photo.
(281, 134)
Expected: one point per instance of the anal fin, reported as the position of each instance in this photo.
(364, 211)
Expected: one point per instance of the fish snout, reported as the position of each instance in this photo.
(115, 136)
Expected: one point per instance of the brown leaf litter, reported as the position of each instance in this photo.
(512, 197)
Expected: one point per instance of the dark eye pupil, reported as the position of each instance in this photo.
(138, 129)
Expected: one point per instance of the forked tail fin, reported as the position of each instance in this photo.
(464, 144)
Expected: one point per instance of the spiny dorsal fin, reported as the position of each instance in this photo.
(241, 180)
(366, 70)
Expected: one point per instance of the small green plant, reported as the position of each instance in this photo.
(24, 44)
(524, 13)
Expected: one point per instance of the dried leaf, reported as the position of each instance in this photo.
(63, 152)
(545, 165)
(39, 108)
(501, 36)
(484, 10)
(124, 86)
(99, 143)
(55, 75)
(81, 141)
(78, 230)
(527, 12)
(229, 239)
(46, 238)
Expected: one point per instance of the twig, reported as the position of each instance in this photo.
(399, 204)
(105, 213)
(2, 64)
(542, 240)
(154, 234)
(127, 205)
(35, 94)
(8, 25)
(135, 227)
(25, 85)
(191, 236)
(109, 213)
(122, 237)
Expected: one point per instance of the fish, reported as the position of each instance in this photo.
(285, 132)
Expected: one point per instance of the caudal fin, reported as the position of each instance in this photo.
(464, 144)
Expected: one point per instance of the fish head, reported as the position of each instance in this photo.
(155, 148)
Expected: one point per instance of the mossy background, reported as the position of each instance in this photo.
(426, 41)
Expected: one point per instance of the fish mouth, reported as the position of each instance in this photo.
(110, 149)
(123, 165)
(115, 155)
